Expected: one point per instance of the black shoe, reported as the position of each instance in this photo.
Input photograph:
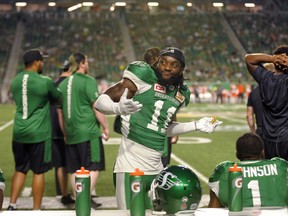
(11, 208)
(95, 205)
(67, 200)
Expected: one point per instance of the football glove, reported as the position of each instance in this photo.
(127, 106)
(207, 124)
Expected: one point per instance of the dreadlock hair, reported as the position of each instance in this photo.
(249, 147)
(151, 55)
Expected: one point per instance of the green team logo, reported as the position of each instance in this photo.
(167, 180)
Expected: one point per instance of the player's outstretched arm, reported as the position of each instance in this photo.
(117, 99)
(205, 124)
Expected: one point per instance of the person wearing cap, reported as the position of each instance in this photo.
(264, 182)
(58, 145)
(147, 98)
(80, 122)
(32, 93)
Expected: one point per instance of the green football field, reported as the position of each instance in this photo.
(197, 150)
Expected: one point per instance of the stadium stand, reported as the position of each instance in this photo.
(212, 55)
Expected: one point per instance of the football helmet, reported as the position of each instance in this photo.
(175, 190)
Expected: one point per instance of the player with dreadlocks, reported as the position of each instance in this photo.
(147, 98)
(273, 89)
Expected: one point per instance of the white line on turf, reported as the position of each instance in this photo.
(180, 161)
(6, 125)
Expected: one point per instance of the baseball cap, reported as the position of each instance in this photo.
(65, 66)
(33, 55)
(175, 53)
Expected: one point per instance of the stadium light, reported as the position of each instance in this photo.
(120, 4)
(88, 4)
(189, 4)
(218, 4)
(249, 5)
(51, 4)
(153, 4)
(112, 8)
(74, 7)
(21, 4)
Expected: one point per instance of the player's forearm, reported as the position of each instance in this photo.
(258, 58)
(102, 119)
(251, 123)
(177, 128)
(61, 121)
(106, 105)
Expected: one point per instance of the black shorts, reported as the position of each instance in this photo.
(58, 153)
(79, 155)
(275, 149)
(30, 156)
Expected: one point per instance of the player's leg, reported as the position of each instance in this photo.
(37, 153)
(123, 190)
(38, 190)
(21, 158)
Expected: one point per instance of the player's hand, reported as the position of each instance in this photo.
(207, 124)
(281, 60)
(128, 106)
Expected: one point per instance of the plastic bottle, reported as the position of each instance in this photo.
(83, 199)
(235, 189)
(137, 201)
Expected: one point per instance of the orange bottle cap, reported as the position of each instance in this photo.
(235, 168)
(82, 171)
(137, 172)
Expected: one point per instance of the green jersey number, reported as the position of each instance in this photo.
(153, 125)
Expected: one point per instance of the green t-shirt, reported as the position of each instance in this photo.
(32, 93)
(148, 126)
(79, 93)
(264, 182)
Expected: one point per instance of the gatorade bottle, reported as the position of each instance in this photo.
(235, 189)
(83, 200)
(137, 201)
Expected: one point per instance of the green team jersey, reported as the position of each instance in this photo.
(264, 182)
(79, 93)
(32, 93)
(148, 126)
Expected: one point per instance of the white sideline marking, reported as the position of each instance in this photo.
(180, 161)
(26, 192)
(6, 125)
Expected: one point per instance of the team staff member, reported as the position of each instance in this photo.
(58, 145)
(264, 181)
(157, 93)
(273, 89)
(80, 126)
(254, 111)
(32, 137)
